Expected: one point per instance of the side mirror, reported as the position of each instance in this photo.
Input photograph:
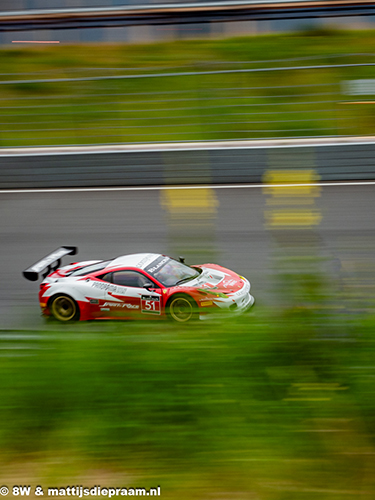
(148, 285)
(182, 260)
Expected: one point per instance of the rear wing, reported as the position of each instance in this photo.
(49, 263)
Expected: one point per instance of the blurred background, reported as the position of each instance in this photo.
(239, 133)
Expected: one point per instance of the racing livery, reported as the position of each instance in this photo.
(142, 285)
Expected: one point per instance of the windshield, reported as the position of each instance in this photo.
(170, 272)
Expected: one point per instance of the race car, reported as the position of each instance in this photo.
(141, 285)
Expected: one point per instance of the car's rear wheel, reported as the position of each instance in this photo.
(182, 308)
(64, 308)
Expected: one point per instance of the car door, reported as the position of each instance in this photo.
(93, 293)
(128, 297)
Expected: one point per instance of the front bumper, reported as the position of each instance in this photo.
(247, 304)
(234, 303)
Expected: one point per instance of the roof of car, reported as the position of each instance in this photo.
(139, 260)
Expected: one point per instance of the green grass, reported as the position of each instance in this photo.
(274, 405)
(205, 107)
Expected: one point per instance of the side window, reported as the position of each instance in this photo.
(129, 278)
(106, 277)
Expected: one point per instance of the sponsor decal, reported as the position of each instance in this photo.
(39, 266)
(150, 297)
(94, 301)
(229, 283)
(206, 303)
(156, 264)
(150, 304)
(144, 261)
(109, 287)
(121, 305)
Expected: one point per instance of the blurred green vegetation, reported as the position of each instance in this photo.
(273, 405)
(291, 103)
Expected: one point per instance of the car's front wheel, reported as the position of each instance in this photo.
(64, 308)
(182, 308)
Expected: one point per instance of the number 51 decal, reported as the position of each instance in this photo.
(150, 304)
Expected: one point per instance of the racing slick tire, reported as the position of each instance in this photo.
(182, 308)
(64, 308)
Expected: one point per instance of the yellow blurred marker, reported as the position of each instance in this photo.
(181, 201)
(287, 183)
(291, 191)
(295, 218)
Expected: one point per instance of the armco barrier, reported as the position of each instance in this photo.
(181, 164)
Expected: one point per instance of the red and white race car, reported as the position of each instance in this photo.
(142, 285)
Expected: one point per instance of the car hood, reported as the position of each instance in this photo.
(216, 279)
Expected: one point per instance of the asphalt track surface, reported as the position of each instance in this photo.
(226, 226)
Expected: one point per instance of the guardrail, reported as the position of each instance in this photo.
(182, 164)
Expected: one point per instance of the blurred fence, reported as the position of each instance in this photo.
(207, 102)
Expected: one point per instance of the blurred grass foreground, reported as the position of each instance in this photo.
(309, 84)
(273, 405)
